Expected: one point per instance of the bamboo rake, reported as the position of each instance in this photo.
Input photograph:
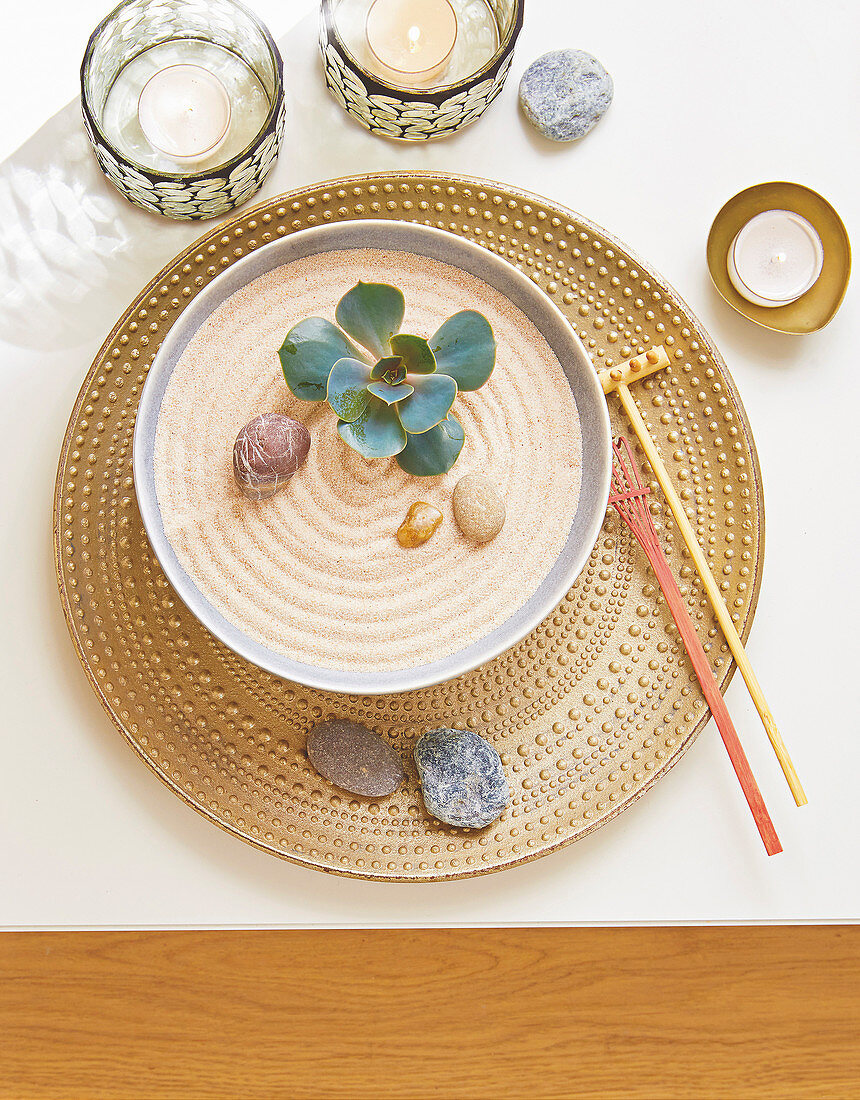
(617, 379)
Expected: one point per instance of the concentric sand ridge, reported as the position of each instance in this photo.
(316, 573)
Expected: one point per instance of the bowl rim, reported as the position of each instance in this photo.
(526, 296)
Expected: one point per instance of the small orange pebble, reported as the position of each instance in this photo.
(420, 524)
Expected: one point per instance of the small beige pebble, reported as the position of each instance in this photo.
(478, 508)
(421, 522)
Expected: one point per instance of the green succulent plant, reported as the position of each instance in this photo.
(392, 392)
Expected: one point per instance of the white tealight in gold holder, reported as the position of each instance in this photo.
(779, 254)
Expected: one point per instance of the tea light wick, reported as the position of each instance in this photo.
(184, 112)
(775, 258)
(412, 40)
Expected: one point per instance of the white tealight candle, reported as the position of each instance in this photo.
(122, 117)
(412, 39)
(775, 258)
(477, 42)
(184, 111)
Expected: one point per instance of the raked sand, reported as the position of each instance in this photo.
(316, 572)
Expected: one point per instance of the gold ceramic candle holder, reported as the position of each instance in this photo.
(817, 307)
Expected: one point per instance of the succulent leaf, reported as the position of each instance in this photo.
(371, 313)
(429, 404)
(401, 404)
(377, 433)
(465, 349)
(347, 388)
(435, 451)
(309, 352)
(390, 394)
(415, 352)
(391, 364)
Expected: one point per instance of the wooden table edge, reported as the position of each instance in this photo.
(732, 1011)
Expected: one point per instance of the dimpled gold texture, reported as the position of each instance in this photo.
(587, 712)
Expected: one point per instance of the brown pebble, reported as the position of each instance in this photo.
(267, 452)
(354, 758)
(420, 524)
(478, 508)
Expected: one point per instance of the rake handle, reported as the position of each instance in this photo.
(715, 701)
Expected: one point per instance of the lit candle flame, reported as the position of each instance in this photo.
(411, 39)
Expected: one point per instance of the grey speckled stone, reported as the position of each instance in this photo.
(565, 93)
(461, 778)
(354, 758)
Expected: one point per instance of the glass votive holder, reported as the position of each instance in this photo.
(415, 70)
(183, 103)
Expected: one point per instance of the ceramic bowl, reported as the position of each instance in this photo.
(550, 322)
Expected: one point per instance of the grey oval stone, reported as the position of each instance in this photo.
(565, 93)
(354, 758)
(461, 778)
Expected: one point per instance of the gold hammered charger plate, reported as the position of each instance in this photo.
(587, 712)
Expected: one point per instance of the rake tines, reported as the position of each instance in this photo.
(628, 497)
(629, 492)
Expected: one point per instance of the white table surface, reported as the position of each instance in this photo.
(709, 98)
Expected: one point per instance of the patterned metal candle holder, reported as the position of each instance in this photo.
(141, 39)
(408, 110)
